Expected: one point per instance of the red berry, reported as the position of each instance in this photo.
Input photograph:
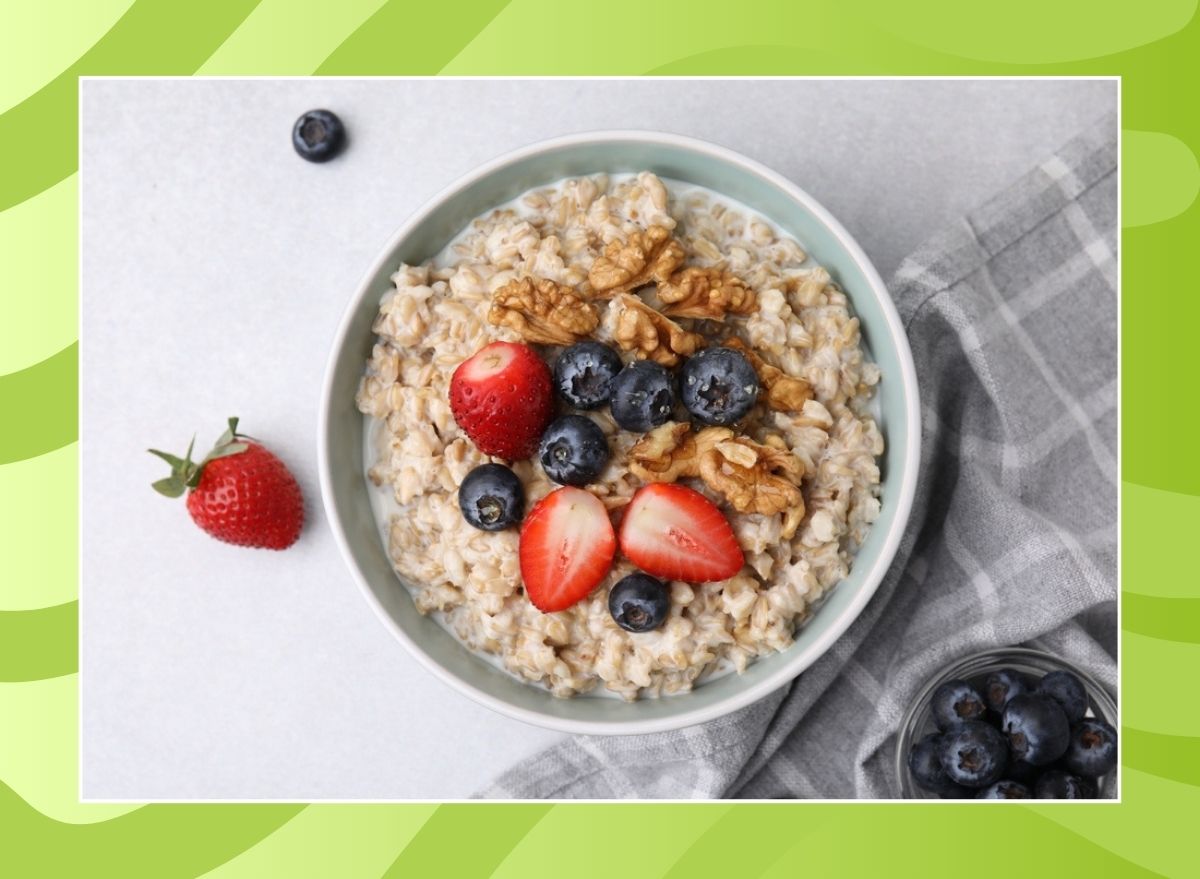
(501, 398)
(241, 493)
(567, 546)
(674, 532)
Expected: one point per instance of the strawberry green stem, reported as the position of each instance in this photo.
(186, 473)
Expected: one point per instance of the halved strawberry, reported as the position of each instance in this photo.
(674, 532)
(567, 546)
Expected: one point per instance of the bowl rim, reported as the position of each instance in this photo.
(907, 477)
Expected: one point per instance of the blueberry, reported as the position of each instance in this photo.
(643, 395)
(584, 372)
(1067, 690)
(491, 498)
(956, 701)
(1026, 773)
(1001, 686)
(1036, 727)
(639, 603)
(1055, 784)
(974, 754)
(924, 762)
(573, 450)
(318, 136)
(1092, 750)
(718, 386)
(1005, 790)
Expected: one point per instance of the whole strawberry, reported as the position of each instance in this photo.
(502, 399)
(240, 493)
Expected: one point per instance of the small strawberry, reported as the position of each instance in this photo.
(674, 532)
(240, 493)
(501, 398)
(567, 546)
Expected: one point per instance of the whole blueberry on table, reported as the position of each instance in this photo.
(639, 602)
(1036, 727)
(584, 372)
(1005, 790)
(1092, 749)
(1068, 691)
(1054, 784)
(573, 450)
(974, 754)
(954, 702)
(925, 764)
(491, 498)
(718, 386)
(1001, 686)
(318, 135)
(643, 395)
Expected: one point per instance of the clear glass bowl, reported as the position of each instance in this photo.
(918, 720)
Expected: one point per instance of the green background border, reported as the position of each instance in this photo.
(45, 831)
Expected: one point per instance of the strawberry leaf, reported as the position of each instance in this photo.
(228, 436)
(185, 473)
(225, 451)
(176, 463)
(172, 486)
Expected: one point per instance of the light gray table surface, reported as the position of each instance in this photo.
(216, 265)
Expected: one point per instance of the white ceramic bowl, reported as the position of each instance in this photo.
(345, 492)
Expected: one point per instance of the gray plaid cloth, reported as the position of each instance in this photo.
(1012, 316)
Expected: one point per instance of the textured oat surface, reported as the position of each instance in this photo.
(611, 237)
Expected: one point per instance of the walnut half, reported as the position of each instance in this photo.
(543, 311)
(784, 393)
(706, 293)
(651, 334)
(753, 477)
(666, 454)
(756, 478)
(644, 258)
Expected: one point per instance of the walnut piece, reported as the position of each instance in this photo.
(671, 451)
(543, 311)
(645, 258)
(784, 393)
(706, 293)
(665, 454)
(651, 334)
(754, 478)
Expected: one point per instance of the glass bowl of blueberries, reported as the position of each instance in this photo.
(1009, 723)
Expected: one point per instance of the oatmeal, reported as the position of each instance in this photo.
(657, 272)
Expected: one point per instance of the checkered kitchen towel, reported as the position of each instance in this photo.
(1012, 316)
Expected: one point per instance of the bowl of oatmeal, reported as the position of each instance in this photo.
(681, 259)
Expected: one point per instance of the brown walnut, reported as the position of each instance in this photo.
(644, 258)
(708, 294)
(543, 311)
(650, 334)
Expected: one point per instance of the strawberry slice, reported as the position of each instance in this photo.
(674, 532)
(567, 546)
